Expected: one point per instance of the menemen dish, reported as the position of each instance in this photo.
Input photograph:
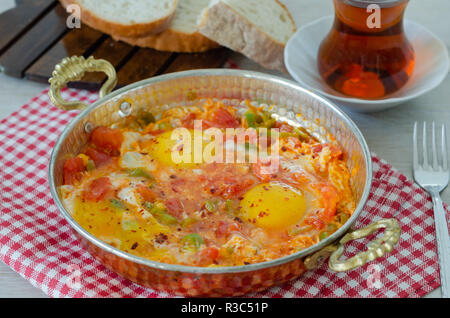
(130, 189)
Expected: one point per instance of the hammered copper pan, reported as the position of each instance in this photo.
(293, 103)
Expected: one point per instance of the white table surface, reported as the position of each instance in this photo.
(388, 133)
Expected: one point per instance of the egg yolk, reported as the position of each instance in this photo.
(273, 206)
(165, 148)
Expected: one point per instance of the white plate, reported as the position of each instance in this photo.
(432, 65)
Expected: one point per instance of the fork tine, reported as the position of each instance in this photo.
(415, 151)
(425, 149)
(444, 148)
(434, 149)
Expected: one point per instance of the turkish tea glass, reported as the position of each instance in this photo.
(367, 54)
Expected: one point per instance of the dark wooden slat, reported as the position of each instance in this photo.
(17, 20)
(75, 42)
(34, 43)
(144, 64)
(188, 61)
(41, 39)
(117, 53)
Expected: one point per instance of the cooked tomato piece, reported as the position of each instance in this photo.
(262, 170)
(317, 148)
(98, 189)
(73, 168)
(335, 151)
(315, 222)
(208, 255)
(146, 193)
(156, 132)
(100, 158)
(283, 127)
(222, 118)
(174, 206)
(107, 139)
(224, 229)
(233, 187)
(257, 171)
(330, 199)
(188, 121)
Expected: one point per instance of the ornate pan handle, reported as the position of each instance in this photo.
(377, 248)
(73, 69)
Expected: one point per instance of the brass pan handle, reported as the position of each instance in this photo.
(376, 248)
(73, 69)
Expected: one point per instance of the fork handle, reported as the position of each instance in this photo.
(443, 244)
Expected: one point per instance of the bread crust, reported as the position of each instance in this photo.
(118, 29)
(223, 24)
(172, 41)
(288, 14)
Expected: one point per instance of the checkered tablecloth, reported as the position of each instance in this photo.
(38, 243)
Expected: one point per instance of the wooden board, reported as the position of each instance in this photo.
(35, 37)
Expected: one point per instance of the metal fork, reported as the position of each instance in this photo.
(434, 178)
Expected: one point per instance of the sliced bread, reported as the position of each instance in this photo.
(129, 18)
(259, 29)
(182, 35)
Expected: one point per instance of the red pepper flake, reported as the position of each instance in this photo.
(237, 220)
(161, 238)
(262, 214)
(133, 247)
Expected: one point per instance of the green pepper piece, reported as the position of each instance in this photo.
(285, 134)
(302, 135)
(228, 205)
(140, 173)
(188, 221)
(250, 118)
(331, 228)
(161, 215)
(269, 123)
(117, 204)
(148, 206)
(164, 126)
(164, 217)
(210, 206)
(343, 218)
(193, 240)
(323, 235)
(90, 165)
(130, 225)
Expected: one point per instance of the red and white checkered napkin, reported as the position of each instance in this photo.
(37, 242)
